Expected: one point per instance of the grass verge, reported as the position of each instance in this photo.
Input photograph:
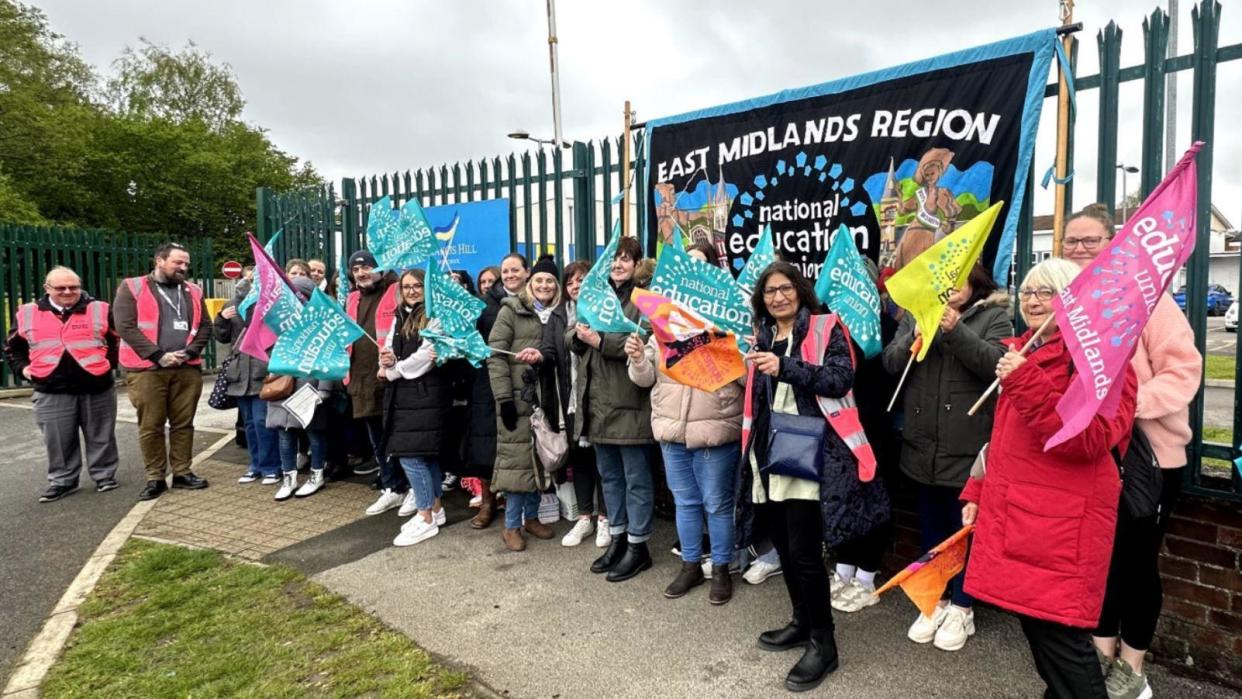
(1217, 468)
(1220, 367)
(169, 621)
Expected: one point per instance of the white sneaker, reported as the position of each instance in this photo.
(854, 597)
(924, 628)
(476, 501)
(414, 531)
(407, 505)
(581, 530)
(386, 501)
(760, 571)
(270, 480)
(602, 537)
(311, 486)
(440, 517)
(288, 484)
(249, 477)
(959, 625)
(835, 585)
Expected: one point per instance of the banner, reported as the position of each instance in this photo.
(598, 305)
(924, 580)
(845, 287)
(475, 234)
(275, 309)
(457, 312)
(693, 351)
(705, 289)
(922, 146)
(253, 295)
(1102, 313)
(315, 345)
(399, 240)
(925, 284)
(763, 255)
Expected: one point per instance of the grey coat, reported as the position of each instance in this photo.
(244, 373)
(280, 419)
(939, 440)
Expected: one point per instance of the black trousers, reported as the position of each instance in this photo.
(586, 480)
(867, 551)
(796, 528)
(1065, 659)
(1133, 595)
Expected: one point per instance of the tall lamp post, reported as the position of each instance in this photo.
(1125, 193)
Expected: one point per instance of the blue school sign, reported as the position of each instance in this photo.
(476, 233)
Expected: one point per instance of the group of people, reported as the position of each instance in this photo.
(1050, 542)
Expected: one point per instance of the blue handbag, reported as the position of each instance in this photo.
(795, 444)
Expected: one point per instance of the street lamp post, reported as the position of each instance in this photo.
(1125, 193)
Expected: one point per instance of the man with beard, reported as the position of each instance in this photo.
(163, 324)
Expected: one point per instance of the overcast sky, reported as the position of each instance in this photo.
(380, 85)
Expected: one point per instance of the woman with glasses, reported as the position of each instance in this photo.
(417, 401)
(1169, 368)
(939, 439)
(1044, 520)
(801, 515)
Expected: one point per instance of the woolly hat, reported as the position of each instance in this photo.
(362, 258)
(546, 264)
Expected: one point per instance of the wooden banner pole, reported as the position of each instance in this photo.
(1025, 348)
(1063, 118)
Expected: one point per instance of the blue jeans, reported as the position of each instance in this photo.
(519, 506)
(289, 449)
(425, 479)
(702, 484)
(628, 493)
(940, 516)
(391, 476)
(260, 441)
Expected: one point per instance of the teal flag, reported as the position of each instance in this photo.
(252, 296)
(315, 345)
(845, 287)
(399, 239)
(763, 255)
(706, 289)
(598, 305)
(458, 312)
(284, 311)
(342, 276)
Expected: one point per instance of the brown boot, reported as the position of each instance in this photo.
(487, 509)
(722, 587)
(514, 541)
(538, 529)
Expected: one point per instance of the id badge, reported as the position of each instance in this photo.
(181, 325)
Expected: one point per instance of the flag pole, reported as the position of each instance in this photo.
(1025, 348)
(1063, 126)
(914, 350)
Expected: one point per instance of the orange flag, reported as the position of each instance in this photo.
(924, 580)
(693, 351)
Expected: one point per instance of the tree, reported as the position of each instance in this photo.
(151, 81)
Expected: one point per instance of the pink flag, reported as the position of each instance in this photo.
(273, 284)
(1102, 313)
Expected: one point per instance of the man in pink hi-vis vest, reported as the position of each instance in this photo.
(164, 327)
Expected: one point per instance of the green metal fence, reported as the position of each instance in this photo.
(550, 203)
(101, 257)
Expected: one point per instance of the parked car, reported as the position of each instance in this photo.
(1231, 318)
(1219, 299)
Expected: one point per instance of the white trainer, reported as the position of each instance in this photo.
(407, 505)
(311, 486)
(270, 480)
(440, 517)
(835, 585)
(288, 484)
(580, 531)
(249, 477)
(602, 537)
(854, 597)
(760, 571)
(414, 531)
(959, 625)
(386, 501)
(924, 628)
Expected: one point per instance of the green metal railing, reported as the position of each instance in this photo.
(101, 257)
(537, 219)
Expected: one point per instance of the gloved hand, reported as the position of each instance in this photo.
(508, 415)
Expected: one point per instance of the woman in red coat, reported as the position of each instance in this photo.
(1044, 521)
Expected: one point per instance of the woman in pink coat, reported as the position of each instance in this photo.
(1044, 521)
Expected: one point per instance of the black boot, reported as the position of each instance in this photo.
(612, 555)
(690, 575)
(819, 659)
(795, 634)
(636, 560)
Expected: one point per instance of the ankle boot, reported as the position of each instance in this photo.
(690, 575)
(487, 509)
(636, 560)
(288, 484)
(612, 555)
(817, 662)
(795, 634)
(514, 541)
(312, 485)
(722, 587)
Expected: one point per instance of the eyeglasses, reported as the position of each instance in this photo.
(1043, 293)
(786, 290)
(411, 287)
(1087, 243)
(63, 289)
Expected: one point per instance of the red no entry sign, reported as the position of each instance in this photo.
(232, 269)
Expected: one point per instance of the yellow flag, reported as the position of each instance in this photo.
(924, 285)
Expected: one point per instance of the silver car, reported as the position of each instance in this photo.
(1231, 318)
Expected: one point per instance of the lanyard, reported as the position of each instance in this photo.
(177, 308)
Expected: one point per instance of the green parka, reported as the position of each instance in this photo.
(517, 328)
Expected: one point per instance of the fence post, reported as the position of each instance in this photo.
(349, 218)
(1155, 43)
(262, 208)
(1109, 40)
(584, 204)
